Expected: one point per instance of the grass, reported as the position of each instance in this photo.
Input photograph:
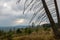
(36, 34)
(40, 35)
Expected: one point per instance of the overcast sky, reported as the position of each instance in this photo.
(11, 14)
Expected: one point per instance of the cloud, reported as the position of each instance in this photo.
(12, 14)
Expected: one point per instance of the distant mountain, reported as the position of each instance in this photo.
(4, 28)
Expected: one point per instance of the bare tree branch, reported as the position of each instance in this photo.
(34, 4)
(45, 17)
(35, 14)
(42, 19)
(29, 4)
(18, 1)
(57, 12)
(24, 6)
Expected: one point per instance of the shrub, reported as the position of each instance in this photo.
(9, 36)
(18, 31)
(28, 31)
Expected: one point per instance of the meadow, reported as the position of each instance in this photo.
(29, 33)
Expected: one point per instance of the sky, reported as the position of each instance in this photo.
(11, 14)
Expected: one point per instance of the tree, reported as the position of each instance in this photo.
(48, 13)
(55, 30)
(57, 12)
